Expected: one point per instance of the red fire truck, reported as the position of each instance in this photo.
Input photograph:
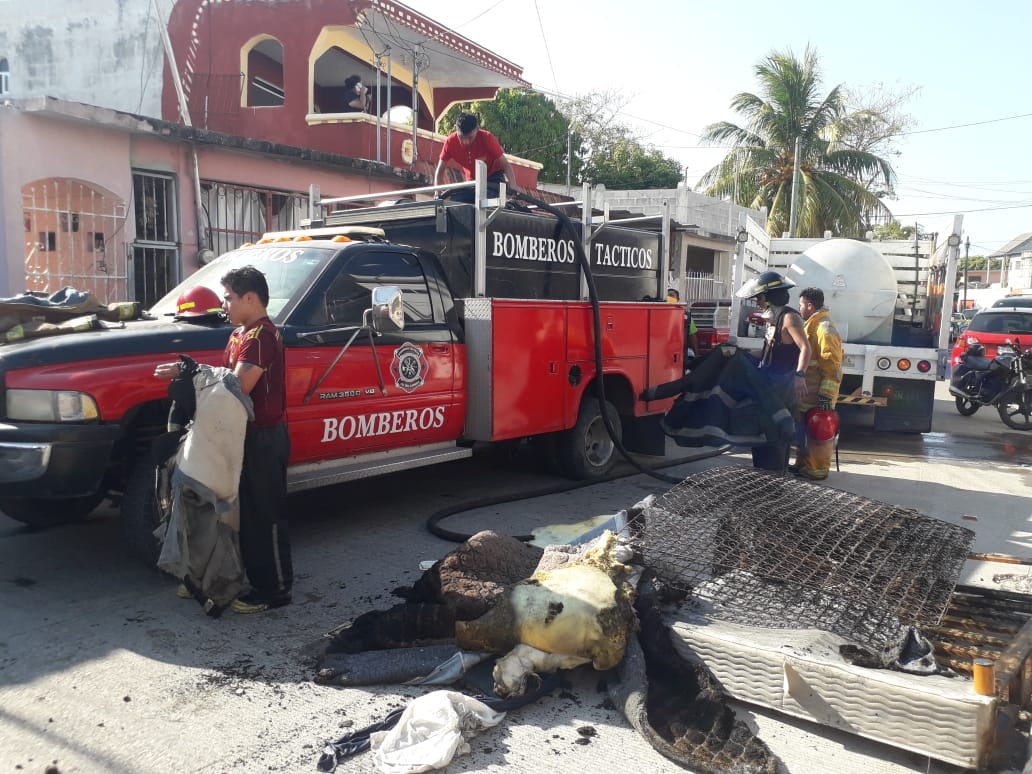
(497, 343)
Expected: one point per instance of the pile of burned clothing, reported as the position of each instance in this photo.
(724, 399)
(532, 611)
(31, 315)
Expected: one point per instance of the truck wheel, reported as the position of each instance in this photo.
(50, 513)
(140, 515)
(586, 451)
(1016, 410)
(966, 407)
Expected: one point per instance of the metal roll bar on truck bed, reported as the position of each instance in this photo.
(486, 210)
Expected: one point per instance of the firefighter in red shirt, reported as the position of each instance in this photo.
(469, 144)
(255, 354)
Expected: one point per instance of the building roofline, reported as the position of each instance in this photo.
(1019, 244)
(424, 25)
(156, 127)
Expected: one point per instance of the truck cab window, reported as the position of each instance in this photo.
(348, 294)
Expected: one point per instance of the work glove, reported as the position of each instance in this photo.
(649, 394)
(824, 402)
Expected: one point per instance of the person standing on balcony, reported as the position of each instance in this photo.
(356, 95)
(469, 144)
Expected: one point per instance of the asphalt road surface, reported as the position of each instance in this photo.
(103, 669)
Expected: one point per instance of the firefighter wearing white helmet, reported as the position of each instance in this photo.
(786, 354)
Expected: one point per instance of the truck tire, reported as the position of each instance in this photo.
(586, 451)
(966, 407)
(140, 516)
(50, 513)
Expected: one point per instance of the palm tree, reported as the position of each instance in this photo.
(837, 182)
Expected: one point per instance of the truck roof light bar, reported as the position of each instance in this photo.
(327, 233)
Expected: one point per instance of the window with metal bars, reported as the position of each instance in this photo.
(239, 214)
(155, 252)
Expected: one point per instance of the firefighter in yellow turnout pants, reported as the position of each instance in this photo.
(823, 378)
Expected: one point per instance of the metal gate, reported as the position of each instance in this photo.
(156, 248)
(74, 237)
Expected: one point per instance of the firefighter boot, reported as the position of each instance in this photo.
(815, 461)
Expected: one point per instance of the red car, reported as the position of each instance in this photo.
(998, 330)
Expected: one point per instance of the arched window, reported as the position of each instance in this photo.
(263, 62)
(5, 77)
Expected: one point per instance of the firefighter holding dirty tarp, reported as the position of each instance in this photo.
(818, 425)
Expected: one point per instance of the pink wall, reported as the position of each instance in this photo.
(35, 146)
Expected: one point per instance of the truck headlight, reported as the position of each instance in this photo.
(50, 406)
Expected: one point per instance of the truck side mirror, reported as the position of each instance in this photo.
(387, 313)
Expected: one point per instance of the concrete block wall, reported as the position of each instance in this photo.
(713, 216)
(107, 53)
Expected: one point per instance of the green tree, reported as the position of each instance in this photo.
(874, 119)
(602, 149)
(893, 230)
(529, 125)
(974, 263)
(629, 165)
(835, 192)
(614, 154)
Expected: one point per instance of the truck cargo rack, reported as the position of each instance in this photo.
(407, 204)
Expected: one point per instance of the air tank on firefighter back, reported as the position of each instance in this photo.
(859, 287)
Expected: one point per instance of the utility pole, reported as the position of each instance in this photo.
(793, 217)
(569, 153)
(967, 249)
(917, 272)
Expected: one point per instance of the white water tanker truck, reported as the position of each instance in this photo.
(891, 301)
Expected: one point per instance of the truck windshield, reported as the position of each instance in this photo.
(289, 269)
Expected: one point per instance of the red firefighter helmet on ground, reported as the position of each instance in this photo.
(198, 301)
(821, 424)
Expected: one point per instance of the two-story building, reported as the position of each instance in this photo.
(138, 141)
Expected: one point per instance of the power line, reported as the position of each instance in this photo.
(963, 126)
(964, 211)
(544, 40)
(908, 191)
(902, 175)
(470, 21)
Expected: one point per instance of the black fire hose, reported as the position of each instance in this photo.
(433, 522)
(596, 319)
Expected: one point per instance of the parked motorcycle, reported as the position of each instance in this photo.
(1004, 381)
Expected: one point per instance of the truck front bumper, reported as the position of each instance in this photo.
(50, 460)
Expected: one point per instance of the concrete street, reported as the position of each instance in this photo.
(103, 669)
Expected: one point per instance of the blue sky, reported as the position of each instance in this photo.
(681, 61)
